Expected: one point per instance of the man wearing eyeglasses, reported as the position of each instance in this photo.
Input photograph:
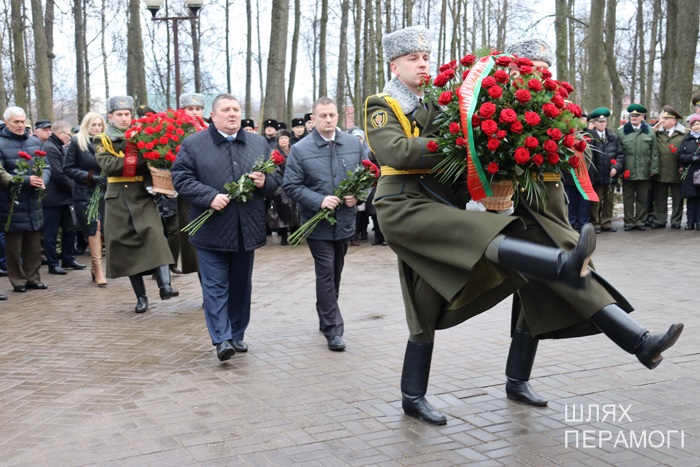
(57, 204)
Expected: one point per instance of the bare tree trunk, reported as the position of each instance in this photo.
(49, 18)
(227, 48)
(103, 47)
(293, 64)
(648, 92)
(80, 64)
(340, 94)
(640, 64)
(610, 59)
(19, 65)
(86, 60)
(136, 68)
(442, 35)
(502, 23)
(248, 58)
(276, 60)
(42, 74)
(561, 39)
(3, 91)
(322, 56)
(597, 89)
(358, 102)
(194, 27)
(678, 59)
(378, 42)
(571, 29)
(369, 75)
(260, 72)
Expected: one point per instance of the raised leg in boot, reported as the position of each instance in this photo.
(414, 383)
(546, 263)
(140, 291)
(521, 357)
(634, 338)
(163, 278)
(95, 243)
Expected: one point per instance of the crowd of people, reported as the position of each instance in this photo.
(96, 185)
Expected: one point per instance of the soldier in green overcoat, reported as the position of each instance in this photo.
(453, 263)
(134, 240)
(554, 310)
(669, 135)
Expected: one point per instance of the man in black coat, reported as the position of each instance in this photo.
(58, 203)
(24, 222)
(608, 161)
(227, 241)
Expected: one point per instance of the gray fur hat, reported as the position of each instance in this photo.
(406, 41)
(534, 49)
(192, 99)
(120, 103)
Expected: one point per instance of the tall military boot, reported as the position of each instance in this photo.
(140, 291)
(546, 263)
(414, 383)
(634, 338)
(521, 357)
(163, 279)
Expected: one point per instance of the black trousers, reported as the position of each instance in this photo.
(329, 259)
(56, 217)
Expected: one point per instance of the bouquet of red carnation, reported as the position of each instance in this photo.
(241, 190)
(158, 135)
(358, 183)
(502, 120)
(23, 169)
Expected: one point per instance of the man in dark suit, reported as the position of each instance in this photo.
(226, 243)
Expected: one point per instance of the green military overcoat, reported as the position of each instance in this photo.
(424, 221)
(134, 238)
(641, 151)
(668, 160)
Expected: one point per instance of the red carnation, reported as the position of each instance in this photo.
(179, 131)
(507, 116)
(177, 148)
(489, 127)
(531, 118)
(503, 61)
(626, 174)
(538, 159)
(492, 168)
(553, 158)
(461, 142)
(432, 146)
(534, 85)
(163, 140)
(445, 98)
(500, 134)
(558, 101)
(521, 155)
(455, 128)
(149, 131)
(575, 161)
(580, 145)
(501, 76)
(488, 82)
(672, 148)
(369, 165)
(550, 146)
(150, 145)
(550, 84)
(495, 92)
(468, 60)
(550, 110)
(141, 144)
(170, 157)
(516, 127)
(487, 110)
(574, 109)
(531, 142)
(24, 155)
(554, 133)
(523, 95)
(493, 144)
(448, 66)
(568, 141)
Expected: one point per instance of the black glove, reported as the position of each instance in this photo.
(101, 181)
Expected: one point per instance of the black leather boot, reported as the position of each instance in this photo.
(414, 383)
(140, 291)
(163, 280)
(521, 357)
(546, 263)
(634, 338)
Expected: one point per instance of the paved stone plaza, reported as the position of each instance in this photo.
(84, 380)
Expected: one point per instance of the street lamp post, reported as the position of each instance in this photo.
(194, 6)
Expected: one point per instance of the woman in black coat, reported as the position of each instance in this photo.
(81, 166)
(689, 157)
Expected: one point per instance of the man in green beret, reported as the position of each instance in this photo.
(669, 134)
(608, 160)
(641, 164)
